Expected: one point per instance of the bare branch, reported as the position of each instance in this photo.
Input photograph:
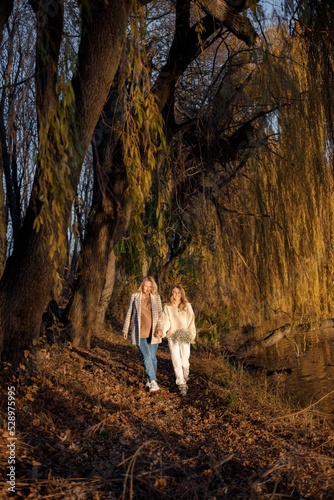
(228, 13)
(6, 7)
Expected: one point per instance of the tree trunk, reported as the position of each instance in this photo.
(85, 312)
(27, 280)
(109, 221)
(24, 290)
(107, 291)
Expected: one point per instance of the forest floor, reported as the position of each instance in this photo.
(85, 428)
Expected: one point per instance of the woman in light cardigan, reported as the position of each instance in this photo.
(179, 327)
(144, 322)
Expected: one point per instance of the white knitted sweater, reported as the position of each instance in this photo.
(175, 319)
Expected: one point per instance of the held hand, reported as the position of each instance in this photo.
(125, 335)
(158, 334)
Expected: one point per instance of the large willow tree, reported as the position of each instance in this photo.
(138, 125)
(68, 107)
(251, 228)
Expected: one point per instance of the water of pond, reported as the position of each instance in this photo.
(303, 367)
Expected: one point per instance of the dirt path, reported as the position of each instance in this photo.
(87, 429)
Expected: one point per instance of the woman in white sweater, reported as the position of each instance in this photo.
(180, 330)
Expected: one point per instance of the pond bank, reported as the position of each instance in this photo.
(301, 362)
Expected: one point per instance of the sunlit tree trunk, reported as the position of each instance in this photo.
(108, 223)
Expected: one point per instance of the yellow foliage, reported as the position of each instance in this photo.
(142, 126)
(55, 189)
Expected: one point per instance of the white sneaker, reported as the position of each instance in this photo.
(183, 390)
(154, 386)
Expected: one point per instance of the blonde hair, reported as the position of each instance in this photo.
(154, 285)
(184, 300)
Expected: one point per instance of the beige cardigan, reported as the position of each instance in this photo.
(133, 318)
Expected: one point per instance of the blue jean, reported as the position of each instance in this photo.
(149, 354)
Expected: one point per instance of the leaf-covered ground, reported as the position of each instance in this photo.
(87, 429)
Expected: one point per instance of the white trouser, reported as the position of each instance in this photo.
(180, 354)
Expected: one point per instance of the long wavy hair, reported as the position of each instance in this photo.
(154, 285)
(184, 300)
